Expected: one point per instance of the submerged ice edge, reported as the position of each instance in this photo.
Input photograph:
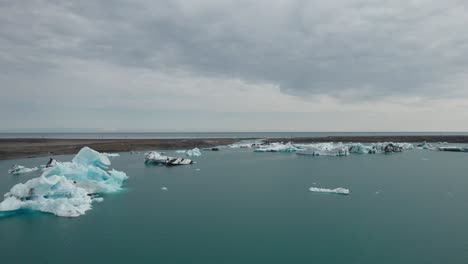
(67, 188)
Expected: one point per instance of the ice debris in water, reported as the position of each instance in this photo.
(323, 149)
(18, 169)
(155, 157)
(164, 188)
(248, 143)
(66, 188)
(334, 149)
(453, 149)
(278, 147)
(193, 152)
(111, 155)
(323, 190)
(359, 148)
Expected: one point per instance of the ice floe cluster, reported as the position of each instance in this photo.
(67, 188)
(334, 149)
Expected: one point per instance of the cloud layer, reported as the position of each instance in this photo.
(237, 57)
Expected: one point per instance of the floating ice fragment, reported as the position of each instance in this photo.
(98, 199)
(193, 152)
(453, 149)
(425, 145)
(278, 147)
(55, 194)
(248, 143)
(18, 169)
(359, 148)
(340, 151)
(111, 155)
(164, 188)
(66, 188)
(323, 190)
(154, 157)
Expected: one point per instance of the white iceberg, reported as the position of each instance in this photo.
(323, 149)
(111, 155)
(453, 149)
(18, 169)
(66, 188)
(55, 194)
(336, 190)
(278, 147)
(359, 148)
(193, 152)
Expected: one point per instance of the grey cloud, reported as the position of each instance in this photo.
(346, 49)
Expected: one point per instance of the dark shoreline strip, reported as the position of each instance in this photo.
(35, 147)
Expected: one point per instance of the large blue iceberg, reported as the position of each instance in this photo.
(67, 188)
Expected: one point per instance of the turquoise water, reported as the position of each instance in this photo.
(245, 207)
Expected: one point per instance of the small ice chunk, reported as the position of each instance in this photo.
(98, 199)
(323, 190)
(111, 155)
(193, 152)
(18, 169)
(164, 188)
(197, 169)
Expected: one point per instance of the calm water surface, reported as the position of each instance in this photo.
(245, 207)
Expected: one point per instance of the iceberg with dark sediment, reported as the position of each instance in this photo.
(18, 169)
(157, 158)
(336, 190)
(247, 143)
(359, 148)
(68, 188)
(391, 147)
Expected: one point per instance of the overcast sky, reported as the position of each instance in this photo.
(213, 65)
